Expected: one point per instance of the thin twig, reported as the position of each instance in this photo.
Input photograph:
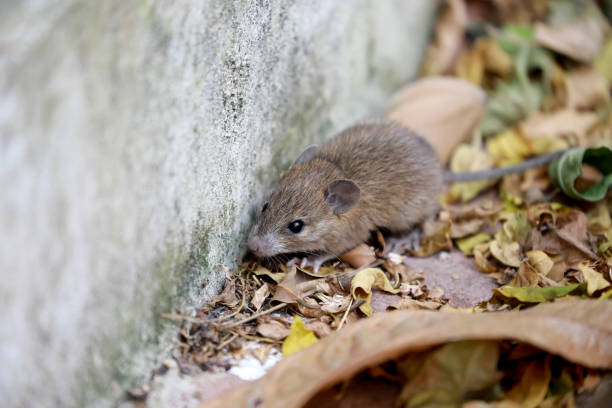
(348, 309)
(253, 317)
(226, 342)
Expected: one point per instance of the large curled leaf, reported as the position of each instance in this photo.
(569, 329)
(564, 171)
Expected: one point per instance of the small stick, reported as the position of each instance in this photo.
(348, 309)
(253, 317)
(226, 342)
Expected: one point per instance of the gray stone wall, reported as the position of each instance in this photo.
(135, 139)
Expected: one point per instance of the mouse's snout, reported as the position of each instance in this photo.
(261, 245)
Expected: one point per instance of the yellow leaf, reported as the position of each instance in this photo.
(470, 67)
(469, 158)
(362, 283)
(516, 228)
(507, 254)
(540, 261)
(598, 218)
(532, 388)
(299, 337)
(508, 148)
(595, 280)
(467, 244)
(603, 62)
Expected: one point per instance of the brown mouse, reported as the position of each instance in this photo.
(376, 174)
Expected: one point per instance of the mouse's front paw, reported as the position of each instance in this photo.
(314, 261)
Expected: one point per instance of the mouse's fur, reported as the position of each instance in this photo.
(398, 175)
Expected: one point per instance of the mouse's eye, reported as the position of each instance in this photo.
(296, 226)
(264, 208)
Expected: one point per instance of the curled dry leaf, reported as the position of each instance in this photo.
(445, 110)
(595, 280)
(437, 238)
(568, 329)
(540, 262)
(508, 254)
(359, 256)
(364, 281)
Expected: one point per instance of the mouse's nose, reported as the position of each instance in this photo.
(259, 245)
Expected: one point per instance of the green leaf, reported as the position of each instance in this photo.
(537, 295)
(564, 171)
(510, 103)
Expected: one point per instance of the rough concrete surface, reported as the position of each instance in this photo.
(136, 138)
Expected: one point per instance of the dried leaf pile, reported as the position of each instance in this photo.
(503, 81)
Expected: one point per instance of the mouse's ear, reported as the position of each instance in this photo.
(307, 154)
(342, 194)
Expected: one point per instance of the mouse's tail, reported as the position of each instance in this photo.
(499, 172)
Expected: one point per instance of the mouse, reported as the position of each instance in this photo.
(376, 174)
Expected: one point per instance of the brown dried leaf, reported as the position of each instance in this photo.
(288, 290)
(586, 89)
(407, 303)
(525, 277)
(335, 304)
(319, 328)
(228, 296)
(445, 110)
(449, 39)
(272, 329)
(260, 296)
(460, 229)
(553, 128)
(437, 238)
(359, 256)
(580, 39)
(568, 329)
